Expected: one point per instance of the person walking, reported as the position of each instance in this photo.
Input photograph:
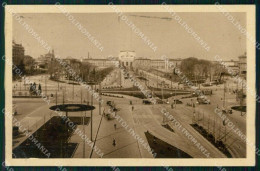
(34, 88)
(132, 108)
(40, 88)
(31, 89)
(115, 126)
(114, 142)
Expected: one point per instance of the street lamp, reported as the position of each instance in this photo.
(45, 85)
(91, 112)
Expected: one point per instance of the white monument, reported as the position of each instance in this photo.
(126, 58)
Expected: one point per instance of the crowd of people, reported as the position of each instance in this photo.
(33, 89)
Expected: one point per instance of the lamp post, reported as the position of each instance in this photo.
(163, 83)
(91, 112)
(99, 122)
(91, 127)
(45, 85)
(84, 151)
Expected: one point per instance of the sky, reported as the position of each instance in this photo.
(170, 38)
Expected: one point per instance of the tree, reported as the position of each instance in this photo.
(193, 67)
(21, 66)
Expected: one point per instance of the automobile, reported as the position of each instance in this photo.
(227, 110)
(203, 100)
(160, 101)
(177, 101)
(214, 83)
(194, 95)
(146, 101)
(109, 116)
(206, 84)
(109, 103)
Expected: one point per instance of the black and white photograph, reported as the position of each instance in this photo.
(121, 82)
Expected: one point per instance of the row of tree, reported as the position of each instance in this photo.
(75, 68)
(195, 68)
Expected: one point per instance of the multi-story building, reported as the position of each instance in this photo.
(101, 63)
(143, 63)
(126, 58)
(18, 53)
(129, 60)
(229, 66)
(242, 65)
(44, 60)
(165, 65)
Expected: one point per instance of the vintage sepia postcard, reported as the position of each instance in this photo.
(120, 85)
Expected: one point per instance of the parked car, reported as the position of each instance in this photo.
(203, 100)
(177, 101)
(146, 101)
(206, 84)
(227, 110)
(160, 101)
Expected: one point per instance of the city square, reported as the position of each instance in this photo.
(77, 102)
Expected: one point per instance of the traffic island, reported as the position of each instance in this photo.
(49, 141)
(217, 143)
(167, 126)
(163, 149)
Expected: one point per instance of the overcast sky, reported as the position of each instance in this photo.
(169, 36)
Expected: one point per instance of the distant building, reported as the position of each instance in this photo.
(18, 53)
(126, 58)
(233, 65)
(228, 65)
(143, 63)
(242, 64)
(44, 60)
(100, 63)
(165, 66)
(129, 60)
(158, 64)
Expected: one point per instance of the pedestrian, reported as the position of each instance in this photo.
(34, 88)
(115, 126)
(40, 88)
(132, 108)
(31, 89)
(114, 142)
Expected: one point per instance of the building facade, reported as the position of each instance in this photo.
(44, 61)
(101, 63)
(143, 63)
(126, 58)
(129, 60)
(18, 53)
(242, 64)
(165, 65)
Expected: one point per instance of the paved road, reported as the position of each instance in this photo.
(34, 112)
